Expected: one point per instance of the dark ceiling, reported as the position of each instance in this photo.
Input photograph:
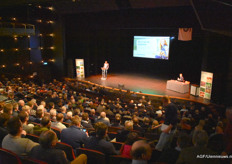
(212, 15)
(93, 5)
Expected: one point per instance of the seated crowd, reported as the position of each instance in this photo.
(58, 111)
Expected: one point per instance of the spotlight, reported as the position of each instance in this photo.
(173, 37)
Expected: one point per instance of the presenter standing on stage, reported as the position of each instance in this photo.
(104, 69)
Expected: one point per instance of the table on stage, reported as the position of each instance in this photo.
(177, 86)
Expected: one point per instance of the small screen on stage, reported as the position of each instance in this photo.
(155, 47)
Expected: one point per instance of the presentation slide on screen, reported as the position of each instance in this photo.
(151, 47)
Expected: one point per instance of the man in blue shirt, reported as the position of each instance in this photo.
(73, 135)
(98, 142)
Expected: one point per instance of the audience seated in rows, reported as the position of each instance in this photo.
(66, 102)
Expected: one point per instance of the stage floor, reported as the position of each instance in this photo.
(145, 84)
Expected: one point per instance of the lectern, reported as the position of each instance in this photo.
(103, 73)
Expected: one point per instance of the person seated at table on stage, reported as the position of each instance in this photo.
(181, 78)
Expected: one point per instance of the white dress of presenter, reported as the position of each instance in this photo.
(105, 69)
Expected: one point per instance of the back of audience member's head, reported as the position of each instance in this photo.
(76, 112)
(131, 138)
(11, 95)
(75, 120)
(33, 101)
(128, 125)
(85, 116)
(8, 109)
(141, 150)
(40, 107)
(30, 104)
(26, 108)
(69, 115)
(15, 106)
(135, 121)
(117, 119)
(46, 121)
(43, 103)
(92, 111)
(14, 126)
(4, 119)
(53, 112)
(155, 123)
(63, 109)
(51, 105)
(23, 116)
(39, 113)
(118, 116)
(48, 139)
(103, 115)
(101, 130)
(146, 121)
(200, 138)
(21, 102)
(60, 117)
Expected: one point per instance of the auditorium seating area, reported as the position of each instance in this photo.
(125, 112)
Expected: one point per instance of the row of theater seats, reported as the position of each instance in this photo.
(94, 157)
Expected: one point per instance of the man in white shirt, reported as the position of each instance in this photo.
(181, 78)
(58, 124)
(105, 68)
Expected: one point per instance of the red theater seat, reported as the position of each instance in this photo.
(32, 161)
(93, 156)
(67, 149)
(8, 157)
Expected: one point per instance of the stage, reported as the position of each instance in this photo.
(143, 83)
